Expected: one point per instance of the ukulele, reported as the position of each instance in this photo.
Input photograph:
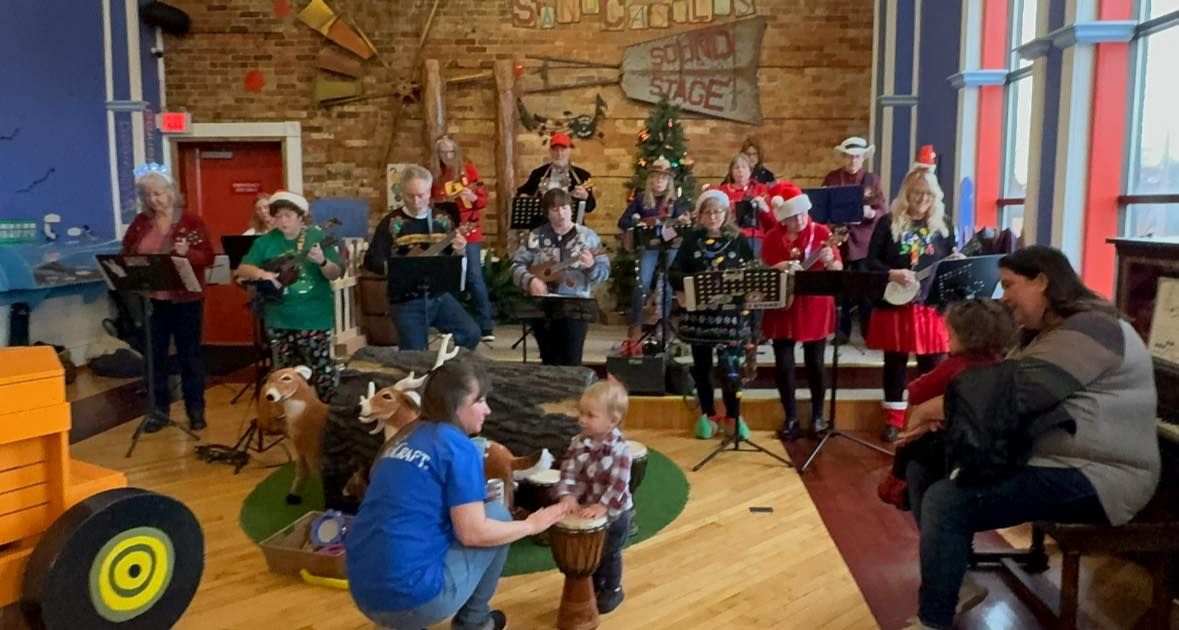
(289, 266)
(437, 248)
(835, 240)
(551, 272)
(453, 189)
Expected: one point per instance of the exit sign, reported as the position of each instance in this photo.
(175, 122)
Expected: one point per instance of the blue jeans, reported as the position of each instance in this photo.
(181, 322)
(609, 574)
(478, 287)
(648, 260)
(469, 582)
(949, 515)
(414, 319)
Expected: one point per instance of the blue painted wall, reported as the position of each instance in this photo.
(54, 145)
(937, 103)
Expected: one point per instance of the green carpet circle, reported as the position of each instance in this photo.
(658, 502)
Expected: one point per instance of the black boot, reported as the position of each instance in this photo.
(196, 419)
(819, 424)
(889, 434)
(789, 430)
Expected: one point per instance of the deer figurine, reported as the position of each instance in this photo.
(393, 407)
(306, 417)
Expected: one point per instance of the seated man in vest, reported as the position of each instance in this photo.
(417, 226)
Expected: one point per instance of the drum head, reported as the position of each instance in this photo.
(545, 477)
(638, 450)
(578, 524)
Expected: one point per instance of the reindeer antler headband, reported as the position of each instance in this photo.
(411, 382)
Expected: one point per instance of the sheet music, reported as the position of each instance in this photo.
(1164, 328)
(187, 275)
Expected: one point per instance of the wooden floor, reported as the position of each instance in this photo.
(718, 565)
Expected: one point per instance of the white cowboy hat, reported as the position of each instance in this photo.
(855, 145)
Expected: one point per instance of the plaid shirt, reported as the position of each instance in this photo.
(598, 472)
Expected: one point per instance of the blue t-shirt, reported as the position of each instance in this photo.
(397, 546)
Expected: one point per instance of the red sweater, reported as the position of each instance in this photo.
(466, 215)
(200, 249)
(765, 220)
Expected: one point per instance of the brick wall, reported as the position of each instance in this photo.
(814, 80)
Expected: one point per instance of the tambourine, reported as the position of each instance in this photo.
(328, 529)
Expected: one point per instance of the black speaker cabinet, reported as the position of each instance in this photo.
(641, 375)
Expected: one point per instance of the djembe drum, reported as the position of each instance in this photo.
(638, 470)
(538, 490)
(577, 548)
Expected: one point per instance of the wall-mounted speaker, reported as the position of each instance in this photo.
(172, 20)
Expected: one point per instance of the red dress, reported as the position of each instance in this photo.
(810, 317)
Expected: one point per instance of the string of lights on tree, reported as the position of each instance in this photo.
(663, 135)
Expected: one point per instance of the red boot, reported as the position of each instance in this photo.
(894, 419)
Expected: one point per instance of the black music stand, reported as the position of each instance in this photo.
(963, 279)
(428, 275)
(236, 247)
(837, 205)
(526, 213)
(547, 307)
(853, 285)
(753, 289)
(143, 275)
(643, 235)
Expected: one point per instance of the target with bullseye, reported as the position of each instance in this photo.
(123, 559)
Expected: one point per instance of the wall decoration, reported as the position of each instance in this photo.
(393, 185)
(282, 8)
(254, 81)
(618, 15)
(319, 16)
(583, 126)
(711, 71)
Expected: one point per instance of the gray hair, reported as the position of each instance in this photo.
(156, 180)
(413, 171)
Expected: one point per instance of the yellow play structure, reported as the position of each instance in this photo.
(78, 549)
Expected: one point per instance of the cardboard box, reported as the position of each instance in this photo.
(289, 550)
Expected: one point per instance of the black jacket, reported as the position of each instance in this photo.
(532, 186)
(986, 437)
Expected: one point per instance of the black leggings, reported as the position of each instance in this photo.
(895, 364)
(812, 352)
(702, 373)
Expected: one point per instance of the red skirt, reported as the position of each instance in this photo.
(914, 328)
(809, 318)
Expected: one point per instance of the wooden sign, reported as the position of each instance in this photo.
(711, 70)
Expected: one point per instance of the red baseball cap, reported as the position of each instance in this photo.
(560, 140)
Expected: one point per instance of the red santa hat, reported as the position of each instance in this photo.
(926, 158)
(788, 200)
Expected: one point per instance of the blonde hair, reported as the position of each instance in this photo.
(156, 180)
(257, 224)
(936, 219)
(613, 396)
(669, 195)
(436, 162)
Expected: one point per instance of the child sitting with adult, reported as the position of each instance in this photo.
(595, 480)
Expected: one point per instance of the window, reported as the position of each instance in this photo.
(1017, 117)
(1154, 153)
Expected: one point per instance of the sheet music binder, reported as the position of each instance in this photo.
(836, 205)
(526, 213)
(147, 273)
(753, 288)
(236, 246)
(963, 279)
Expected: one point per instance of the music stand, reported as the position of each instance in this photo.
(642, 236)
(850, 284)
(236, 246)
(752, 288)
(963, 279)
(429, 275)
(551, 306)
(525, 213)
(837, 205)
(143, 275)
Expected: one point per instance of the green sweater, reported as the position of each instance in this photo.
(307, 304)
(1097, 368)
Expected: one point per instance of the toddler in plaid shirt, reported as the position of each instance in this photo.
(595, 479)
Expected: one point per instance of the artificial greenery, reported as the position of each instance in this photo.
(663, 135)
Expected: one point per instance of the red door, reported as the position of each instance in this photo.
(220, 181)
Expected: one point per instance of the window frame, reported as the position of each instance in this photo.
(1017, 71)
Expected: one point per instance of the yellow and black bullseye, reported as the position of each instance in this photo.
(126, 559)
(131, 573)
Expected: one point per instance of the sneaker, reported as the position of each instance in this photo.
(487, 337)
(818, 424)
(630, 348)
(789, 430)
(499, 621)
(705, 427)
(971, 594)
(608, 600)
(742, 428)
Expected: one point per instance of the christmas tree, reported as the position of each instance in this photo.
(663, 135)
